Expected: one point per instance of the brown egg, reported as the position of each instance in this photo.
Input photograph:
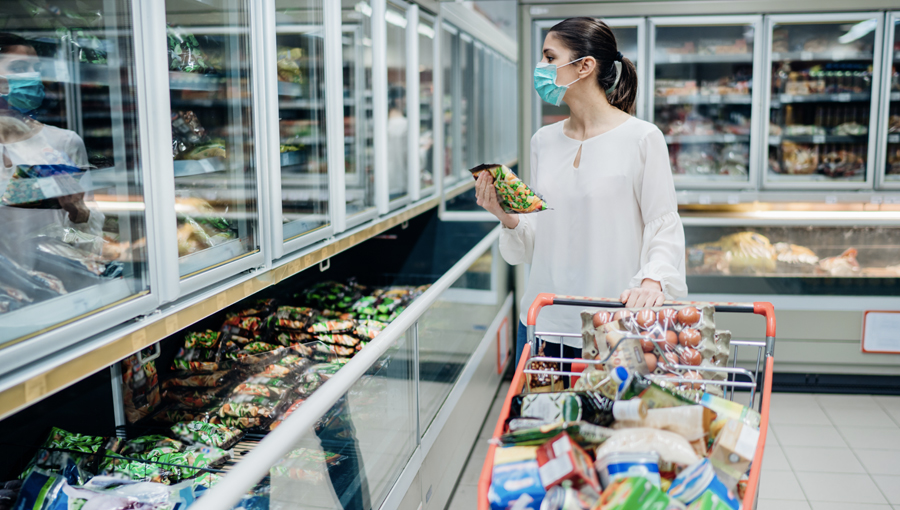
(691, 357)
(646, 319)
(647, 344)
(689, 316)
(650, 358)
(671, 339)
(689, 337)
(601, 318)
(672, 358)
(691, 374)
(667, 317)
(622, 314)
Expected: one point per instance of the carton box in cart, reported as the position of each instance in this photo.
(562, 459)
(733, 451)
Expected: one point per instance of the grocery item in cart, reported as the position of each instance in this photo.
(670, 446)
(690, 422)
(187, 379)
(513, 194)
(698, 479)
(574, 406)
(733, 451)
(619, 465)
(561, 459)
(537, 383)
(634, 493)
(582, 432)
(516, 480)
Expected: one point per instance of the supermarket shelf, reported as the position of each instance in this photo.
(694, 58)
(862, 200)
(822, 55)
(844, 97)
(720, 138)
(192, 81)
(302, 104)
(186, 167)
(704, 99)
(41, 379)
(818, 139)
(206, 259)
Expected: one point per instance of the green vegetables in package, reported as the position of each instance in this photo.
(514, 195)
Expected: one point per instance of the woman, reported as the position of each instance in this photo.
(613, 228)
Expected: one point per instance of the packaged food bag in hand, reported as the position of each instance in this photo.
(514, 195)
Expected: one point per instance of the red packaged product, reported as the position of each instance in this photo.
(562, 459)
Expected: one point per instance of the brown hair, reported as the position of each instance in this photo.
(591, 37)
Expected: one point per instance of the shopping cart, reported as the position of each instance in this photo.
(735, 377)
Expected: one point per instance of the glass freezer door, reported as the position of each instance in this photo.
(628, 33)
(703, 82)
(427, 152)
(891, 124)
(72, 200)
(300, 39)
(821, 101)
(212, 134)
(398, 123)
(450, 101)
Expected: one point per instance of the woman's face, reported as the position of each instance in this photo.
(16, 60)
(557, 54)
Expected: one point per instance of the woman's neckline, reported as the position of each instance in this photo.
(608, 131)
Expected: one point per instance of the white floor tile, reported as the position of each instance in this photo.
(808, 435)
(847, 488)
(894, 413)
(794, 400)
(798, 416)
(860, 417)
(816, 459)
(890, 487)
(465, 498)
(847, 402)
(780, 485)
(885, 438)
(774, 459)
(774, 504)
(771, 437)
(888, 401)
(830, 505)
(879, 462)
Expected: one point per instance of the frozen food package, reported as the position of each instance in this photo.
(140, 386)
(514, 195)
(210, 380)
(288, 338)
(177, 412)
(207, 433)
(670, 446)
(338, 339)
(584, 433)
(143, 444)
(257, 308)
(573, 406)
(62, 448)
(193, 397)
(200, 353)
(331, 327)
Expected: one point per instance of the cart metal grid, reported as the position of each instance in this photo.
(765, 356)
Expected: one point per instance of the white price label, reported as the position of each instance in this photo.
(895, 96)
(705, 199)
(728, 138)
(875, 200)
(830, 199)
(675, 59)
(818, 139)
(806, 55)
(49, 187)
(715, 98)
(843, 97)
(774, 140)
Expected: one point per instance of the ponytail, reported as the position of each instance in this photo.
(591, 37)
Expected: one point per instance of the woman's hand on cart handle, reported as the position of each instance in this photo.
(648, 294)
(486, 196)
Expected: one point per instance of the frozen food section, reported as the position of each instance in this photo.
(703, 94)
(890, 135)
(822, 102)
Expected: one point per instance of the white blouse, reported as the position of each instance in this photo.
(613, 221)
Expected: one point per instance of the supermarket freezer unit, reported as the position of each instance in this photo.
(783, 129)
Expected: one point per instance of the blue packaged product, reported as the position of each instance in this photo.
(628, 464)
(697, 479)
(516, 480)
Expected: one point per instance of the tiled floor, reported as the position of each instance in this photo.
(823, 452)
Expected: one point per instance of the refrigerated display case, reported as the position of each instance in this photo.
(302, 137)
(630, 37)
(428, 97)
(888, 171)
(213, 142)
(467, 111)
(73, 175)
(704, 90)
(398, 129)
(821, 104)
(451, 95)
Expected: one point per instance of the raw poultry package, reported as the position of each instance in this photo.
(514, 195)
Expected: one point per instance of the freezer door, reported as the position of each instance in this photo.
(888, 171)
(821, 102)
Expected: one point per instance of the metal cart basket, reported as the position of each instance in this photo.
(749, 379)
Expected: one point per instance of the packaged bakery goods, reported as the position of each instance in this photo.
(208, 434)
(514, 195)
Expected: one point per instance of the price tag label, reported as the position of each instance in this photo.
(221, 301)
(715, 98)
(248, 287)
(830, 199)
(672, 99)
(843, 97)
(49, 187)
(895, 96)
(818, 139)
(728, 138)
(876, 200)
(806, 55)
(36, 387)
(675, 59)
(138, 340)
(171, 324)
(893, 138)
(705, 199)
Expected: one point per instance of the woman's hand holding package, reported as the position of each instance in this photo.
(648, 294)
(486, 196)
(75, 206)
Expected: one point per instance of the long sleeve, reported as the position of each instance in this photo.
(662, 247)
(517, 244)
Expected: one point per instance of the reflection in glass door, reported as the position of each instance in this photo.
(821, 105)
(300, 38)
(425, 39)
(397, 122)
(628, 34)
(703, 83)
(212, 134)
(449, 97)
(892, 98)
(356, 43)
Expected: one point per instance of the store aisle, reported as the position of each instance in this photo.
(823, 452)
